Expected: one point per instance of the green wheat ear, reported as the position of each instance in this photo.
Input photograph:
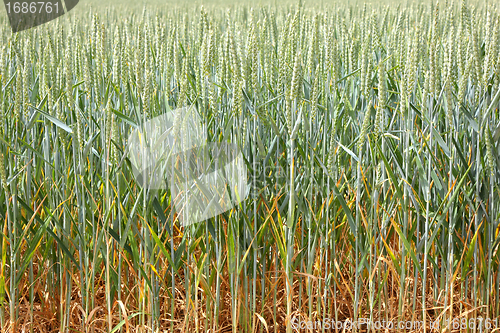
(365, 127)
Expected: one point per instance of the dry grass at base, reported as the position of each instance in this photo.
(47, 305)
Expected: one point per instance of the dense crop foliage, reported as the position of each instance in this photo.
(371, 138)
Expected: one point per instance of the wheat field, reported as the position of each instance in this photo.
(370, 135)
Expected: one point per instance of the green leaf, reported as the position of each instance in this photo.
(126, 119)
(53, 120)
